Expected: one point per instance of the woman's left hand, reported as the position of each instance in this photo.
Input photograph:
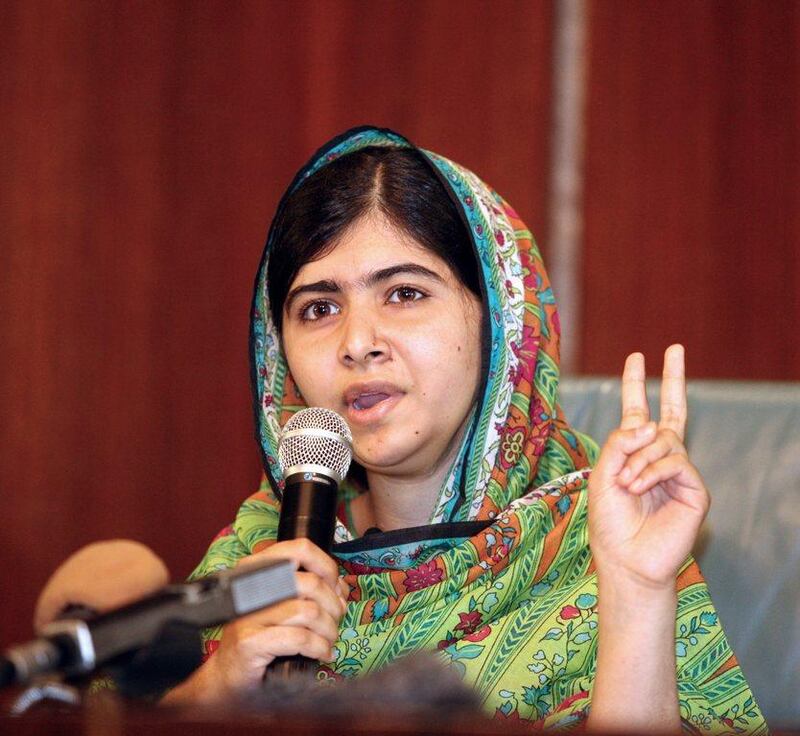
(646, 500)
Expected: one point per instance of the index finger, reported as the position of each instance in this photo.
(635, 411)
(673, 392)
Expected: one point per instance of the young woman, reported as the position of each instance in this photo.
(397, 289)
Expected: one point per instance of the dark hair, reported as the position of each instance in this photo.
(396, 182)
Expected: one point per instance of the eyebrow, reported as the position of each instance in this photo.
(328, 286)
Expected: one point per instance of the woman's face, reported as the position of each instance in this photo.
(381, 331)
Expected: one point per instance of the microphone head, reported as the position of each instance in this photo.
(316, 440)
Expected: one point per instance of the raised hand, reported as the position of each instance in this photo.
(646, 500)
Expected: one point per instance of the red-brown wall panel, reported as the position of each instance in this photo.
(143, 149)
(692, 188)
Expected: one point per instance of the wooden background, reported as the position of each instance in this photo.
(144, 146)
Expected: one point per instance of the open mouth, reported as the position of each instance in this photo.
(370, 401)
(367, 401)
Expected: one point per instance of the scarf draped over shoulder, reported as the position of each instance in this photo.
(501, 582)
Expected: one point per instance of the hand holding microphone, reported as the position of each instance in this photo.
(307, 624)
(315, 453)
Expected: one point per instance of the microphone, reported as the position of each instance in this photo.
(76, 646)
(314, 452)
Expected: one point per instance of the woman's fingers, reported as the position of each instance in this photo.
(620, 444)
(296, 626)
(310, 615)
(307, 624)
(316, 607)
(298, 612)
(673, 392)
(285, 641)
(665, 443)
(635, 411)
(311, 587)
(251, 648)
(627, 451)
(674, 468)
(246, 649)
(306, 555)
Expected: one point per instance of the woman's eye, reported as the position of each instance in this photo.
(318, 310)
(405, 294)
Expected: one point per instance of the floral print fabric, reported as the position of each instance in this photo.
(512, 606)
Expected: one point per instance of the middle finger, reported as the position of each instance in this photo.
(673, 392)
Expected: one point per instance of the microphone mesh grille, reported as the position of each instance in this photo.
(311, 447)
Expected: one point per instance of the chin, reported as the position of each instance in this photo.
(383, 457)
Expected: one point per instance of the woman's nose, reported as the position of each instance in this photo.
(361, 341)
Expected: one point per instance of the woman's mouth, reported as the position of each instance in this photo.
(367, 401)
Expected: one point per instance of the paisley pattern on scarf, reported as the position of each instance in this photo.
(512, 606)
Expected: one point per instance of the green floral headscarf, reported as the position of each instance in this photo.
(501, 582)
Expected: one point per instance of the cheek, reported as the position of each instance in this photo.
(309, 362)
(468, 355)
(448, 356)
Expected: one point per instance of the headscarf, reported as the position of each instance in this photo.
(501, 582)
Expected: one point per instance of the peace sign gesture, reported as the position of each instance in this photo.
(646, 500)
